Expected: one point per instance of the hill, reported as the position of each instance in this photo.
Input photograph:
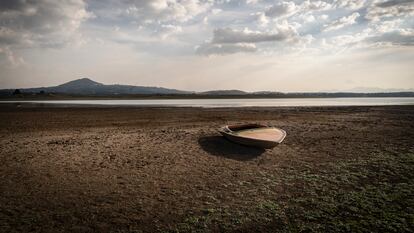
(86, 86)
(224, 92)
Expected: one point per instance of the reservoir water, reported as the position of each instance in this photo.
(214, 103)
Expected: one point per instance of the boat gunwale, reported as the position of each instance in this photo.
(227, 130)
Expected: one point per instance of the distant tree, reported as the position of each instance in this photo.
(42, 92)
(17, 92)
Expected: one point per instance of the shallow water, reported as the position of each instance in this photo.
(210, 103)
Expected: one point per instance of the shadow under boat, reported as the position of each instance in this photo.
(219, 146)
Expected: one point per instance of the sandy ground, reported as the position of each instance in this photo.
(168, 170)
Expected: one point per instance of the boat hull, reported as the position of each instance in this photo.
(233, 136)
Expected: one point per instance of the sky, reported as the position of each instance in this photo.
(199, 45)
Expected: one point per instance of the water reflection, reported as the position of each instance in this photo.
(213, 103)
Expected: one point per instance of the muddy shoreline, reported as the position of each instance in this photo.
(150, 169)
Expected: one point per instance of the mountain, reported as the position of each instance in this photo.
(224, 92)
(267, 93)
(371, 90)
(86, 86)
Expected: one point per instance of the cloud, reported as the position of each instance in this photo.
(287, 9)
(308, 18)
(167, 30)
(393, 3)
(182, 24)
(252, 1)
(209, 49)
(216, 11)
(228, 35)
(11, 58)
(374, 38)
(315, 6)
(282, 9)
(342, 22)
(149, 11)
(152, 20)
(400, 37)
(349, 4)
(387, 26)
(261, 19)
(390, 9)
(40, 23)
(323, 17)
(351, 40)
(228, 40)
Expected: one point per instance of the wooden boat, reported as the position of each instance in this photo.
(256, 135)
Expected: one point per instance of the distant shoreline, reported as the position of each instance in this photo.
(211, 103)
(86, 88)
(58, 96)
